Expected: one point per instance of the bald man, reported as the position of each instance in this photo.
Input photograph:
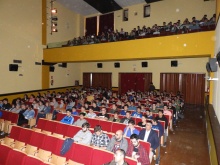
(118, 142)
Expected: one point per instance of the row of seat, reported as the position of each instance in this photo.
(46, 143)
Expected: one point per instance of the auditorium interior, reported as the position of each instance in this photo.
(57, 45)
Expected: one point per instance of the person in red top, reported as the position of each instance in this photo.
(137, 151)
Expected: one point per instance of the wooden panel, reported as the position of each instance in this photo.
(45, 77)
(103, 80)
(170, 82)
(86, 80)
(191, 85)
(44, 22)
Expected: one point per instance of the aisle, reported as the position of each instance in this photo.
(187, 145)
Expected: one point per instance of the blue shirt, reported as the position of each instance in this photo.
(133, 108)
(129, 133)
(136, 114)
(0, 114)
(75, 113)
(67, 120)
(29, 114)
(123, 112)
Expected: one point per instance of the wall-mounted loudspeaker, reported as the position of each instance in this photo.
(13, 67)
(99, 65)
(52, 68)
(64, 65)
(144, 64)
(174, 63)
(213, 64)
(117, 65)
(218, 58)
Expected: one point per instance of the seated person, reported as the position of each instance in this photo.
(151, 136)
(132, 107)
(163, 118)
(99, 138)
(16, 109)
(103, 115)
(119, 158)
(126, 118)
(83, 136)
(74, 112)
(70, 104)
(68, 119)
(44, 112)
(91, 113)
(123, 112)
(149, 114)
(25, 116)
(157, 126)
(137, 113)
(83, 110)
(130, 129)
(40, 106)
(6, 106)
(137, 151)
(81, 120)
(143, 122)
(115, 118)
(95, 107)
(117, 142)
(114, 108)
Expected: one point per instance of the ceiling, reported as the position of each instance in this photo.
(89, 7)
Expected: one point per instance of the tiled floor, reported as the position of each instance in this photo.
(187, 145)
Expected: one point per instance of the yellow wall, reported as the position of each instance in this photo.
(184, 45)
(185, 65)
(20, 39)
(70, 24)
(65, 76)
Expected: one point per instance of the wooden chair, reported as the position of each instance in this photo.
(19, 145)
(44, 155)
(70, 162)
(58, 160)
(30, 150)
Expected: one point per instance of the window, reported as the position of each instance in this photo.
(147, 11)
(125, 15)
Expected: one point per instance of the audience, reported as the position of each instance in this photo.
(166, 29)
(119, 158)
(81, 120)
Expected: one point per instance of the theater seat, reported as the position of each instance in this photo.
(117, 126)
(15, 132)
(77, 155)
(146, 145)
(15, 157)
(4, 150)
(58, 160)
(106, 125)
(42, 123)
(130, 161)
(101, 156)
(31, 160)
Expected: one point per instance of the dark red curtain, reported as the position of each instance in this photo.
(106, 22)
(103, 80)
(86, 80)
(91, 26)
(135, 81)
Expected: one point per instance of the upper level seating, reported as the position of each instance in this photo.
(139, 33)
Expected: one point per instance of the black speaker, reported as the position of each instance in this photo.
(213, 64)
(174, 63)
(64, 65)
(52, 68)
(13, 67)
(99, 65)
(208, 67)
(144, 64)
(218, 58)
(117, 65)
